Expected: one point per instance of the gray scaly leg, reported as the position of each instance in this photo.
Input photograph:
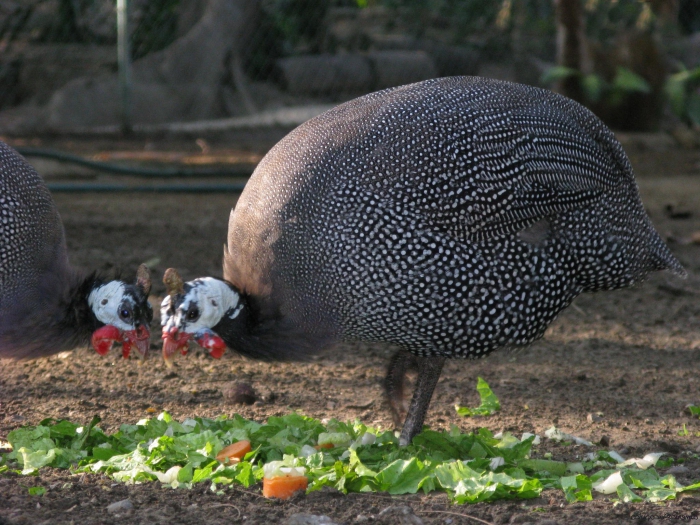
(429, 369)
(394, 384)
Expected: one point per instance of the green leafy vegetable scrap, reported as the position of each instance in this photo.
(489, 402)
(350, 457)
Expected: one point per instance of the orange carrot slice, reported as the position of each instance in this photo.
(283, 487)
(234, 452)
(325, 445)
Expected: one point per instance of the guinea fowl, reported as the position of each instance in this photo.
(46, 305)
(449, 218)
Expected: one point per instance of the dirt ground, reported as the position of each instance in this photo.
(629, 358)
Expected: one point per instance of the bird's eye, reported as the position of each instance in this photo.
(125, 313)
(192, 314)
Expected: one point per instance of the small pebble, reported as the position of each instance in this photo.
(120, 506)
(241, 394)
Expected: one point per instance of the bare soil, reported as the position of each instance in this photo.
(629, 358)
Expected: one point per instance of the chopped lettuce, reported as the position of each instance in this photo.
(489, 402)
(470, 468)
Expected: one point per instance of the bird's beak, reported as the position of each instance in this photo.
(139, 338)
(174, 340)
(104, 338)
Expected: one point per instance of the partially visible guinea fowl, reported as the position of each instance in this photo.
(46, 305)
(449, 218)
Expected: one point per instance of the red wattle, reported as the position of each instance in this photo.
(216, 353)
(126, 349)
(213, 343)
(103, 338)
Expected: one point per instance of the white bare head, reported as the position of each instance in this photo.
(112, 305)
(204, 303)
(124, 311)
(193, 310)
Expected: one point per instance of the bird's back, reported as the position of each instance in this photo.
(34, 269)
(450, 216)
(30, 228)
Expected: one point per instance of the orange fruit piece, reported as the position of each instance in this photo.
(283, 487)
(234, 452)
(325, 445)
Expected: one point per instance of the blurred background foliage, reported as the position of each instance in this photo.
(510, 39)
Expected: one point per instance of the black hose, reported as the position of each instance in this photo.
(159, 173)
(153, 188)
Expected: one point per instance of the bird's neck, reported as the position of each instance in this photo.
(78, 317)
(51, 318)
(261, 331)
(237, 331)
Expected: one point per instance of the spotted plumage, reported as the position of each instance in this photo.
(46, 305)
(449, 217)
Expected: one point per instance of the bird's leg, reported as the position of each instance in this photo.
(394, 384)
(429, 369)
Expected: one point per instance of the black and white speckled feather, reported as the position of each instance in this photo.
(449, 217)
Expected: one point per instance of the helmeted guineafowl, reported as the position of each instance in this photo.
(46, 305)
(449, 217)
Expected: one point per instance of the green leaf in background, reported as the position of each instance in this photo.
(593, 86)
(675, 90)
(680, 88)
(557, 73)
(693, 109)
(626, 80)
(489, 402)
(37, 491)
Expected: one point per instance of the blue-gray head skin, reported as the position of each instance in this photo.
(448, 218)
(46, 305)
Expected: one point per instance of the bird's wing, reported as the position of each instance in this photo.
(533, 164)
(496, 172)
